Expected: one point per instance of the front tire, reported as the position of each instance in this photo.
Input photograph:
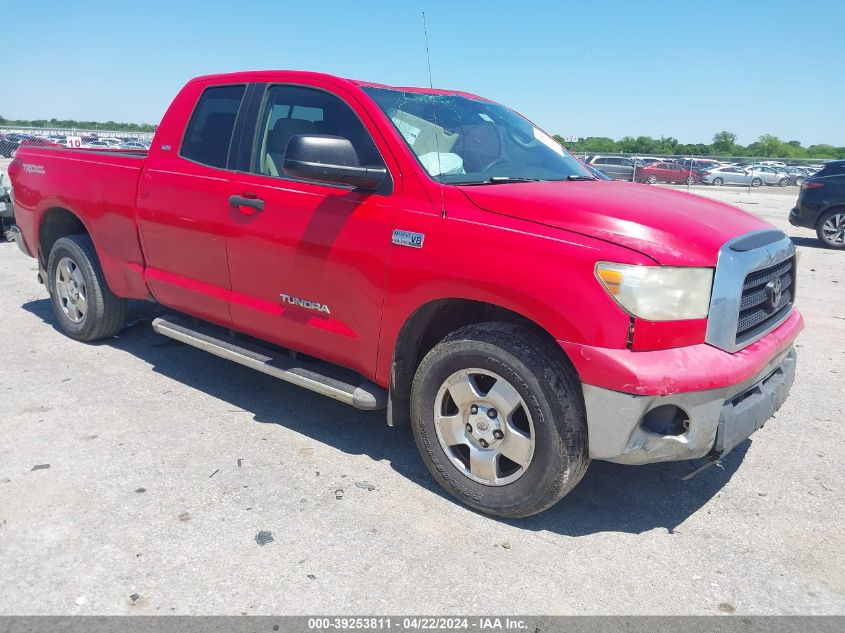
(690, 180)
(830, 228)
(718, 182)
(756, 182)
(85, 308)
(498, 417)
(652, 180)
(783, 182)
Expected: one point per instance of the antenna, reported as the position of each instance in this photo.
(434, 113)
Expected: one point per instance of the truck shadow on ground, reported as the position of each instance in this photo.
(610, 498)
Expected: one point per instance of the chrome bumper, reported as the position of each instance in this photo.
(716, 420)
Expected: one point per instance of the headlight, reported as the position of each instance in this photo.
(658, 293)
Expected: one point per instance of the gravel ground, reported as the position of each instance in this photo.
(141, 476)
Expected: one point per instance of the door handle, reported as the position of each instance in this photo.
(250, 201)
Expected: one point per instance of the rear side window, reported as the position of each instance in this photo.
(209, 133)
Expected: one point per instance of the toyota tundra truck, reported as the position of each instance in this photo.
(434, 254)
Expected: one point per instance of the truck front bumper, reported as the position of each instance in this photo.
(684, 403)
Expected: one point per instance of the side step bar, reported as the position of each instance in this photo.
(340, 386)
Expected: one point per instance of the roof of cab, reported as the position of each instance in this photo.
(303, 75)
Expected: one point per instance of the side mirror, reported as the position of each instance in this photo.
(330, 159)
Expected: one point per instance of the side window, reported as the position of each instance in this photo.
(209, 132)
(294, 110)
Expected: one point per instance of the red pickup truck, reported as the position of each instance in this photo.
(433, 253)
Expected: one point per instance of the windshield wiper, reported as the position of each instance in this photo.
(577, 177)
(498, 180)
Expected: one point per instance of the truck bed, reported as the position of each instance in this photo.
(100, 187)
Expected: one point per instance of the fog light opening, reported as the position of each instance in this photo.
(667, 419)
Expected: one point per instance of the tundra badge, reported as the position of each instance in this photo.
(304, 303)
(408, 238)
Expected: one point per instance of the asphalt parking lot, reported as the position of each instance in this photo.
(137, 476)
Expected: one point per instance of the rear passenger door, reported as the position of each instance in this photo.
(308, 267)
(183, 212)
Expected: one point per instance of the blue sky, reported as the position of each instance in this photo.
(592, 68)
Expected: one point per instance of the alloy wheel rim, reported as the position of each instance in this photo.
(484, 427)
(71, 291)
(833, 229)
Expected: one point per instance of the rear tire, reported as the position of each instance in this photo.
(718, 182)
(690, 180)
(756, 182)
(830, 228)
(652, 180)
(783, 182)
(85, 308)
(543, 426)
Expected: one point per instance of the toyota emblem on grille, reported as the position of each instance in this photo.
(773, 293)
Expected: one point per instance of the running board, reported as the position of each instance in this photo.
(341, 385)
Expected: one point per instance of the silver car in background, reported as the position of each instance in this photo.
(754, 176)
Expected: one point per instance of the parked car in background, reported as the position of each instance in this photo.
(731, 176)
(771, 175)
(699, 164)
(647, 160)
(597, 173)
(667, 172)
(797, 175)
(10, 143)
(615, 167)
(821, 205)
(96, 144)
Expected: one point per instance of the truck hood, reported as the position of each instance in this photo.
(672, 227)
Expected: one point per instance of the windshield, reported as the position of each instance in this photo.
(459, 140)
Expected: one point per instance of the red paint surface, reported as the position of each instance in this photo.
(163, 225)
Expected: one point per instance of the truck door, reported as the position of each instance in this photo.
(308, 260)
(183, 207)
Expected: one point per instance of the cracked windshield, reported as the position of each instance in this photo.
(459, 140)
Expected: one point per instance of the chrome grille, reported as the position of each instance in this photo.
(757, 310)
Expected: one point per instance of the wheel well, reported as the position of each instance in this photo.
(426, 327)
(55, 224)
(836, 207)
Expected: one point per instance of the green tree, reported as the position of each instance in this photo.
(724, 143)
(769, 146)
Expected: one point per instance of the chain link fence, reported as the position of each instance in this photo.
(12, 137)
(691, 170)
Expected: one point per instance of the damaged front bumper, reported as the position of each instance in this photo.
(631, 429)
(684, 403)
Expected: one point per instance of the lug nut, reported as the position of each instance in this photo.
(484, 443)
(492, 413)
(468, 427)
(473, 409)
(498, 434)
